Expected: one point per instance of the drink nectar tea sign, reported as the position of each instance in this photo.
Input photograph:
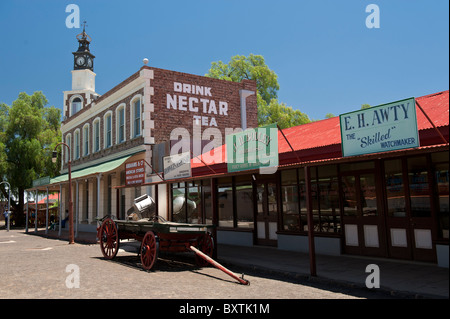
(382, 128)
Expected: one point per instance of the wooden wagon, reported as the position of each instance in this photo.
(155, 236)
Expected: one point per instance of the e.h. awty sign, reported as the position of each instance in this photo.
(382, 128)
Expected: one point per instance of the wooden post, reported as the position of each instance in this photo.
(117, 203)
(46, 214)
(215, 216)
(156, 201)
(35, 212)
(60, 209)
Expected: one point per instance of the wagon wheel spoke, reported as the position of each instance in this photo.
(149, 250)
(109, 239)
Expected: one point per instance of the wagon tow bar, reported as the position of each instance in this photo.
(219, 266)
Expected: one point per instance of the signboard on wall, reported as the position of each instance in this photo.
(252, 149)
(135, 173)
(382, 128)
(41, 181)
(177, 166)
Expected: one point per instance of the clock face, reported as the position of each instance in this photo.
(80, 60)
(89, 62)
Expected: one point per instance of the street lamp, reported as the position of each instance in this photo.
(54, 156)
(9, 204)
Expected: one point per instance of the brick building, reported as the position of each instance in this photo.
(141, 118)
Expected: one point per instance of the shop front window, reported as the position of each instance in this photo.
(395, 190)
(419, 187)
(325, 195)
(207, 202)
(368, 195)
(440, 169)
(179, 203)
(225, 202)
(194, 201)
(244, 201)
(349, 196)
(186, 202)
(290, 201)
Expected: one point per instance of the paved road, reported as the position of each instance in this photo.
(37, 267)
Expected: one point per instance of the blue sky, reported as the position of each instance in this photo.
(326, 59)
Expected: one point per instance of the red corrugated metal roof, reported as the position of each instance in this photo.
(327, 132)
(436, 107)
(51, 198)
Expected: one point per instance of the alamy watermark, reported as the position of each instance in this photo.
(373, 280)
(258, 148)
(73, 19)
(373, 19)
(73, 279)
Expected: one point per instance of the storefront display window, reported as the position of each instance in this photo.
(225, 202)
(244, 201)
(440, 168)
(293, 201)
(395, 191)
(368, 195)
(419, 187)
(186, 202)
(325, 197)
(207, 202)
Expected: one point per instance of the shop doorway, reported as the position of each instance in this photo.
(266, 213)
(362, 218)
(409, 218)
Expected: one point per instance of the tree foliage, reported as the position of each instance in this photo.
(275, 112)
(254, 67)
(29, 132)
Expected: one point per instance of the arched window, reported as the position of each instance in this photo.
(76, 145)
(86, 139)
(66, 152)
(108, 129)
(96, 136)
(135, 117)
(120, 124)
(75, 105)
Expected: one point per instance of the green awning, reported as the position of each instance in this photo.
(100, 168)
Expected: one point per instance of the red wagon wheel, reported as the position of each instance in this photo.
(206, 246)
(109, 239)
(149, 250)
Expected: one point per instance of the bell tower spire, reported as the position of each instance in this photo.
(83, 58)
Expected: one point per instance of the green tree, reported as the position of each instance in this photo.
(254, 67)
(365, 106)
(275, 112)
(29, 133)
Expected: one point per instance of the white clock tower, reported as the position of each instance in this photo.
(83, 78)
